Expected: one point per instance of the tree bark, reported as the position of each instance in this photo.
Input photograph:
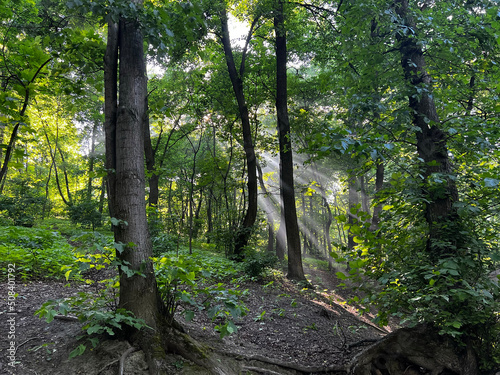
(154, 178)
(110, 110)
(137, 293)
(92, 160)
(379, 184)
(295, 269)
(67, 202)
(237, 82)
(353, 203)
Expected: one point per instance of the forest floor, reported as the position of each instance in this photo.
(290, 330)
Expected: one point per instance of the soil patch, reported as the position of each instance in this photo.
(286, 326)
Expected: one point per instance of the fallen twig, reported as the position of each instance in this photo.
(69, 318)
(362, 342)
(24, 342)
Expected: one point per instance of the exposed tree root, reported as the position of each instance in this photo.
(419, 350)
(260, 370)
(168, 339)
(124, 357)
(362, 342)
(288, 365)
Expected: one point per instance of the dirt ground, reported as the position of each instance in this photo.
(291, 330)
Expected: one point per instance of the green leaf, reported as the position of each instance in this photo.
(491, 182)
(78, 351)
(341, 275)
(94, 329)
(358, 240)
(189, 315)
(67, 274)
(119, 246)
(231, 327)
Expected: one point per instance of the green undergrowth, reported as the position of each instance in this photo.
(69, 229)
(35, 252)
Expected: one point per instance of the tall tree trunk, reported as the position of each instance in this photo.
(295, 269)
(124, 123)
(210, 223)
(237, 82)
(137, 293)
(149, 152)
(268, 208)
(126, 178)
(379, 184)
(67, 202)
(353, 202)
(92, 160)
(440, 213)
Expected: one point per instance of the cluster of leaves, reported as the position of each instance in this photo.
(21, 211)
(193, 281)
(164, 242)
(86, 214)
(35, 252)
(97, 308)
(23, 204)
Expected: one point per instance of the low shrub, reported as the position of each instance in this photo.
(163, 243)
(257, 262)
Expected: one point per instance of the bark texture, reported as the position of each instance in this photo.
(379, 185)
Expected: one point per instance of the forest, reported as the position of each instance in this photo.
(250, 187)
